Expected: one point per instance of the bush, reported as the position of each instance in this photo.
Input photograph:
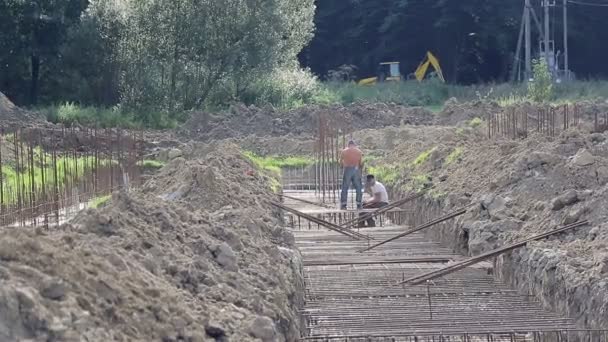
(475, 122)
(541, 88)
(283, 88)
(70, 113)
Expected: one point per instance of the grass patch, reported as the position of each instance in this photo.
(100, 201)
(274, 164)
(54, 176)
(423, 157)
(71, 113)
(437, 194)
(454, 156)
(370, 159)
(151, 164)
(14, 181)
(386, 174)
(420, 182)
(474, 123)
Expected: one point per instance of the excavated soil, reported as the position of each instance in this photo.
(241, 121)
(519, 188)
(9, 113)
(196, 255)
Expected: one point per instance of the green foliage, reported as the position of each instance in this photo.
(66, 167)
(284, 88)
(454, 156)
(275, 185)
(275, 163)
(421, 182)
(437, 194)
(184, 54)
(423, 157)
(100, 201)
(410, 93)
(71, 113)
(541, 88)
(387, 174)
(474, 123)
(151, 164)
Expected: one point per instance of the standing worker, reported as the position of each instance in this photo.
(352, 162)
(379, 197)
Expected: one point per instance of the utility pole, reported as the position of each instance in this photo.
(546, 35)
(566, 68)
(528, 39)
(516, 68)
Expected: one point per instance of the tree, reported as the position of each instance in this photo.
(32, 33)
(176, 52)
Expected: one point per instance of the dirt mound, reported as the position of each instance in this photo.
(11, 113)
(168, 263)
(242, 121)
(454, 112)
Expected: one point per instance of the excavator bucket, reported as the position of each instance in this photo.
(421, 71)
(424, 66)
(435, 64)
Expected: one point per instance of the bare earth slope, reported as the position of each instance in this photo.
(9, 113)
(195, 256)
(521, 188)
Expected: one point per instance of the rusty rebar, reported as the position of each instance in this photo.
(431, 223)
(54, 171)
(419, 279)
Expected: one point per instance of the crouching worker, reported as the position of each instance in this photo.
(379, 198)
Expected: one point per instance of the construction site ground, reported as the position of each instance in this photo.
(201, 252)
(356, 296)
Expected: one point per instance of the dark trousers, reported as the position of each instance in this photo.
(370, 221)
(352, 175)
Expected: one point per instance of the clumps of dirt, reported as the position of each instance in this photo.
(520, 188)
(196, 256)
(454, 112)
(283, 145)
(11, 113)
(240, 120)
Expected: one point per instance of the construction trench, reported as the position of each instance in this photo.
(512, 246)
(393, 282)
(352, 295)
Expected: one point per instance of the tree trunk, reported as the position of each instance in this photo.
(35, 64)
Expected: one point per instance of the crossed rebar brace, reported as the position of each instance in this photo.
(48, 174)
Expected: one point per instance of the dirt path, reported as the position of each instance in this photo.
(351, 295)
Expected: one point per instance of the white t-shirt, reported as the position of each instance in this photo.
(379, 188)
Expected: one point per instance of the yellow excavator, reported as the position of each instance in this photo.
(389, 71)
(424, 66)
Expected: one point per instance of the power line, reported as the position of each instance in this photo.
(584, 3)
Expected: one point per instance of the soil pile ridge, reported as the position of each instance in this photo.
(241, 120)
(522, 187)
(194, 256)
(11, 113)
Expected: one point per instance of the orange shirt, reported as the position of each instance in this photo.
(351, 156)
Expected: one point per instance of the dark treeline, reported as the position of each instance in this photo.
(152, 55)
(475, 40)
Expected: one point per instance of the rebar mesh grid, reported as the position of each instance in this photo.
(563, 335)
(353, 296)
